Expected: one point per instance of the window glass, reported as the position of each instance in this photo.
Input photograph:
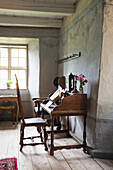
(3, 57)
(14, 53)
(21, 74)
(13, 61)
(3, 78)
(18, 59)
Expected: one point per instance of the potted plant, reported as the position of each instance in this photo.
(81, 78)
(9, 82)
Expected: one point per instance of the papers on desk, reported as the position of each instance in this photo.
(57, 95)
(49, 103)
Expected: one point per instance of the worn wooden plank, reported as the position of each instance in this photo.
(54, 163)
(4, 139)
(38, 153)
(105, 164)
(38, 157)
(86, 160)
(13, 146)
(61, 159)
(69, 156)
(57, 161)
(35, 157)
(72, 160)
(25, 157)
(58, 154)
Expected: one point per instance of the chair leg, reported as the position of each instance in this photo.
(39, 131)
(45, 139)
(41, 136)
(21, 136)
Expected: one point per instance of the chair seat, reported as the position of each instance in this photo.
(33, 121)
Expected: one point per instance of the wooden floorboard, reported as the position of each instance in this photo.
(105, 164)
(36, 158)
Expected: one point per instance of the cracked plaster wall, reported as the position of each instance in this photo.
(84, 34)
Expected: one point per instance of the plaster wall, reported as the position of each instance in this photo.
(48, 65)
(33, 68)
(84, 34)
(104, 127)
(79, 7)
(105, 102)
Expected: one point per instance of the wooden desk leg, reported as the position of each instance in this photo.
(68, 126)
(84, 135)
(52, 137)
(59, 124)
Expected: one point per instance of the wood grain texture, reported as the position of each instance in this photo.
(36, 157)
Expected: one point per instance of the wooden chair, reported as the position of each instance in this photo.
(37, 102)
(30, 122)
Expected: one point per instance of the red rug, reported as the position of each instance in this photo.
(8, 164)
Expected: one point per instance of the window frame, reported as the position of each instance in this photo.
(9, 68)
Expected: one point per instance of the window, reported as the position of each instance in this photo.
(13, 60)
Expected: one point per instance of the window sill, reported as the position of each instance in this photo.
(11, 91)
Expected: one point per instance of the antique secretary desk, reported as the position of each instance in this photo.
(71, 104)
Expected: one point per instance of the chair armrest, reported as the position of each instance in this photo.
(39, 98)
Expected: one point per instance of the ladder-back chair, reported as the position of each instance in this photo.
(30, 122)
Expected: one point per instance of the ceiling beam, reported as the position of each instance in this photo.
(30, 21)
(45, 8)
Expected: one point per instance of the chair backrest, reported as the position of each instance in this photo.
(62, 82)
(19, 98)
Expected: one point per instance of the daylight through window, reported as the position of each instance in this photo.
(13, 60)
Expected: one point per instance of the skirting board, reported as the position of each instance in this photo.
(99, 154)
